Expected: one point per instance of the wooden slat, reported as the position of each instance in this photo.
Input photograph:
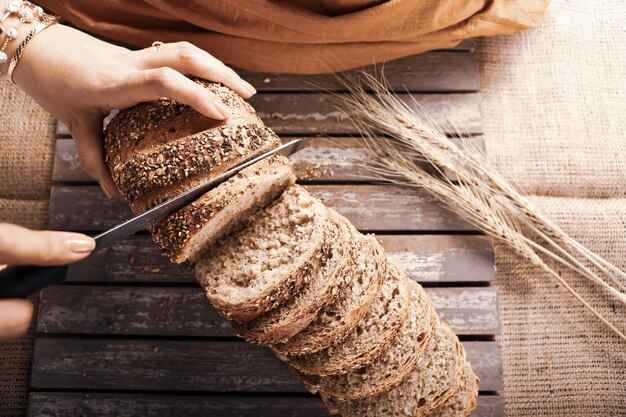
(150, 405)
(166, 311)
(85, 208)
(426, 258)
(429, 72)
(190, 365)
(326, 159)
(315, 114)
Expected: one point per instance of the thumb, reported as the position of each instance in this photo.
(19, 245)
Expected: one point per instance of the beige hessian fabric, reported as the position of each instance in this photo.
(26, 153)
(559, 360)
(554, 101)
(555, 119)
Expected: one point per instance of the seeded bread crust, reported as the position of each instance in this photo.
(156, 150)
(177, 233)
(336, 321)
(435, 379)
(208, 270)
(283, 322)
(370, 338)
(390, 368)
(464, 400)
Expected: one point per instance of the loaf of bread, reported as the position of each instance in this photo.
(289, 272)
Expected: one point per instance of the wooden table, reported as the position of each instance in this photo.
(130, 334)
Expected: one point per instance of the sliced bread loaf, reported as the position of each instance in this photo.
(322, 288)
(390, 368)
(465, 400)
(371, 336)
(428, 386)
(157, 149)
(336, 321)
(188, 232)
(261, 266)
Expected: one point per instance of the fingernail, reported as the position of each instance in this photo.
(3, 267)
(248, 87)
(225, 111)
(78, 245)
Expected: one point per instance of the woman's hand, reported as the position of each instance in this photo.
(80, 79)
(19, 245)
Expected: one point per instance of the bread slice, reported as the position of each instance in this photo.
(158, 149)
(428, 386)
(185, 234)
(465, 400)
(261, 266)
(369, 339)
(323, 288)
(336, 321)
(390, 368)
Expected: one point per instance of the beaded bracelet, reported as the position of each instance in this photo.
(20, 49)
(28, 13)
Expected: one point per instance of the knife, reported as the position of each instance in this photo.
(19, 281)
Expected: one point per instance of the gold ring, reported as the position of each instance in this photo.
(157, 45)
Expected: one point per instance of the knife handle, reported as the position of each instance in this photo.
(20, 281)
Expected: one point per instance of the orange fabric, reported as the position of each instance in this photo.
(301, 36)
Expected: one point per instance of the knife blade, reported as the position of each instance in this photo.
(23, 280)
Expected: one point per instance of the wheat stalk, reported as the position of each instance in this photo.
(401, 139)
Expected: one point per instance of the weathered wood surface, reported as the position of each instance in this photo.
(328, 159)
(85, 208)
(429, 72)
(190, 365)
(150, 405)
(315, 114)
(134, 325)
(167, 311)
(425, 258)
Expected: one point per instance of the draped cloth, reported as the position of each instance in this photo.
(301, 36)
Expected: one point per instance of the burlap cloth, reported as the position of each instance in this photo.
(555, 119)
(26, 154)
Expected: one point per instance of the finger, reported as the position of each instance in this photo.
(15, 317)
(166, 82)
(19, 245)
(87, 134)
(191, 60)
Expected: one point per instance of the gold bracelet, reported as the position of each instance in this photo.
(20, 49)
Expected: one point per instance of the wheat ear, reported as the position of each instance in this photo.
(407, 148)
